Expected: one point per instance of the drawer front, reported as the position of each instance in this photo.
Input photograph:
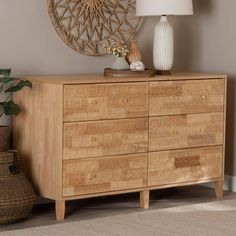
(186, 165)
(104, 174)
(183, 131)
(103, 138)
(105, 101)
(186, 97)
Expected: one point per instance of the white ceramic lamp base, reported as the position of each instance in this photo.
(163, 55)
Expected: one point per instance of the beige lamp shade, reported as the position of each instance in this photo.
(164, 7)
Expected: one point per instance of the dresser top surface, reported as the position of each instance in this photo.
(99, 78)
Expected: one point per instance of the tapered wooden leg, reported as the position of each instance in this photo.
(219, 188)
(144, 199)
(60, 210)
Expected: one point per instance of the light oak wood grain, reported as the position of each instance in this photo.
(219, 189)
(102, 138)
(105, 174)
(105, 101)
(38, 136)
(99, 78)
(183, 131)
(88, 136)
(144, 199)
(186, 97)
(179, 166)
(139, 190)
(60, 207)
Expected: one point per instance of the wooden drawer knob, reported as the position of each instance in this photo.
(93, 176)
(203, 130)
(95, 102)
(203, 96)
(175, 132)
(94, 139)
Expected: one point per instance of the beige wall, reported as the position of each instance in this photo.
(204, 42)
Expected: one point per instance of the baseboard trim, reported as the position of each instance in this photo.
(229, 183)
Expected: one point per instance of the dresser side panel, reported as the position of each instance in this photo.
(38, 136)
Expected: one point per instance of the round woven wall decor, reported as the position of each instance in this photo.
(86, 25)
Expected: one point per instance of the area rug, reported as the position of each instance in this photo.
(206, 219)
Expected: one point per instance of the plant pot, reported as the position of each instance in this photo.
(120, 64)
(4, 140)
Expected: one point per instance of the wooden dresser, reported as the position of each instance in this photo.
(86, 136)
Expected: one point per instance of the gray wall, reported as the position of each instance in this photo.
(30, 45)
(207, 42)
(204, 42)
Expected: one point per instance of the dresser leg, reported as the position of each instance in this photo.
(219, 188)
(60, 210)
(144, 199)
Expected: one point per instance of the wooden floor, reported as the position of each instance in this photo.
(43, 215)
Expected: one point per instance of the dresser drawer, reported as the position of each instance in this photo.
(105, 101)
(104, 174)
(186, 165)
(103, 138)
(186, 97)
(183, 131)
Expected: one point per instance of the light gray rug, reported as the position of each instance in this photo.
(213, 218)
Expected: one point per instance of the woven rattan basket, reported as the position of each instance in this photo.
(16, 193)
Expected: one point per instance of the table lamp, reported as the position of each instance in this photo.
(163, 54)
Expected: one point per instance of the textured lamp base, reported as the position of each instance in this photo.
(163, 50)
(163, 72)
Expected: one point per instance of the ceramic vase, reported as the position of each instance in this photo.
(134, 53)
(120, 64)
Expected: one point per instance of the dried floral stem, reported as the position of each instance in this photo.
(117, 48)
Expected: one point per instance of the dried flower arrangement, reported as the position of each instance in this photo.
(117, 48)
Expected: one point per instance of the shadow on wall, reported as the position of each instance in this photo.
(230, 135)
(185, 42)
(145, 36)
(188, 42)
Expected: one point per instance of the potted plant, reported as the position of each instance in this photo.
(120, 51)
(9, 85)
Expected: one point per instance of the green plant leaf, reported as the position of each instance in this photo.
(7, 80)
(19, 86)
(10, 108)
(5, 72)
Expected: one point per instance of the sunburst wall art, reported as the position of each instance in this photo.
(86, 25)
